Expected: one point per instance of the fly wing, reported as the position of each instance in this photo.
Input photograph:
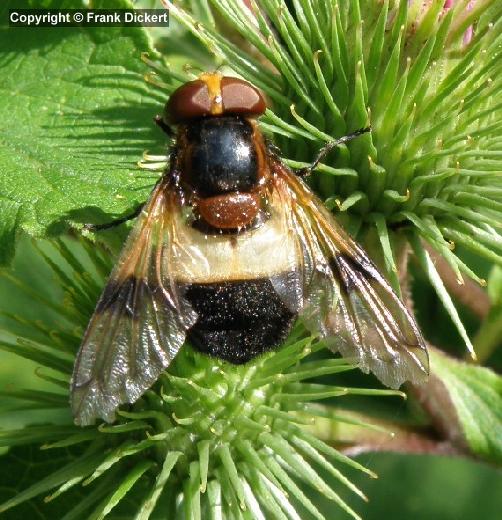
(345, 298)
(140, 321)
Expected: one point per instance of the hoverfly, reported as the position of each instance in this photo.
(232, 247)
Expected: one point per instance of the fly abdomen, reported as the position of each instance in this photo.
(238, 320)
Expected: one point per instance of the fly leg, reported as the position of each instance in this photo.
(321, 154)
(163, 126)
(116, 222)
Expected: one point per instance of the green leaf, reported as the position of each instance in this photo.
(476, 394)
(9, 210)
(76, 116)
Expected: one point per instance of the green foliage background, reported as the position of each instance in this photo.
(74, 119)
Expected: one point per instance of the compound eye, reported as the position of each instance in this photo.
(190, 101)
(213, 95)
(240, 97)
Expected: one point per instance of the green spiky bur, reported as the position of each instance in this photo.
(206, 428)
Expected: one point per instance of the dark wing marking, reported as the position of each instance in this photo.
(345, 298)
(140, 321)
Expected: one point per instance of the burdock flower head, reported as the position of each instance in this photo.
(263, 439)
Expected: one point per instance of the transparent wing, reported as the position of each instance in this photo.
(140, 321)
(345, 298)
